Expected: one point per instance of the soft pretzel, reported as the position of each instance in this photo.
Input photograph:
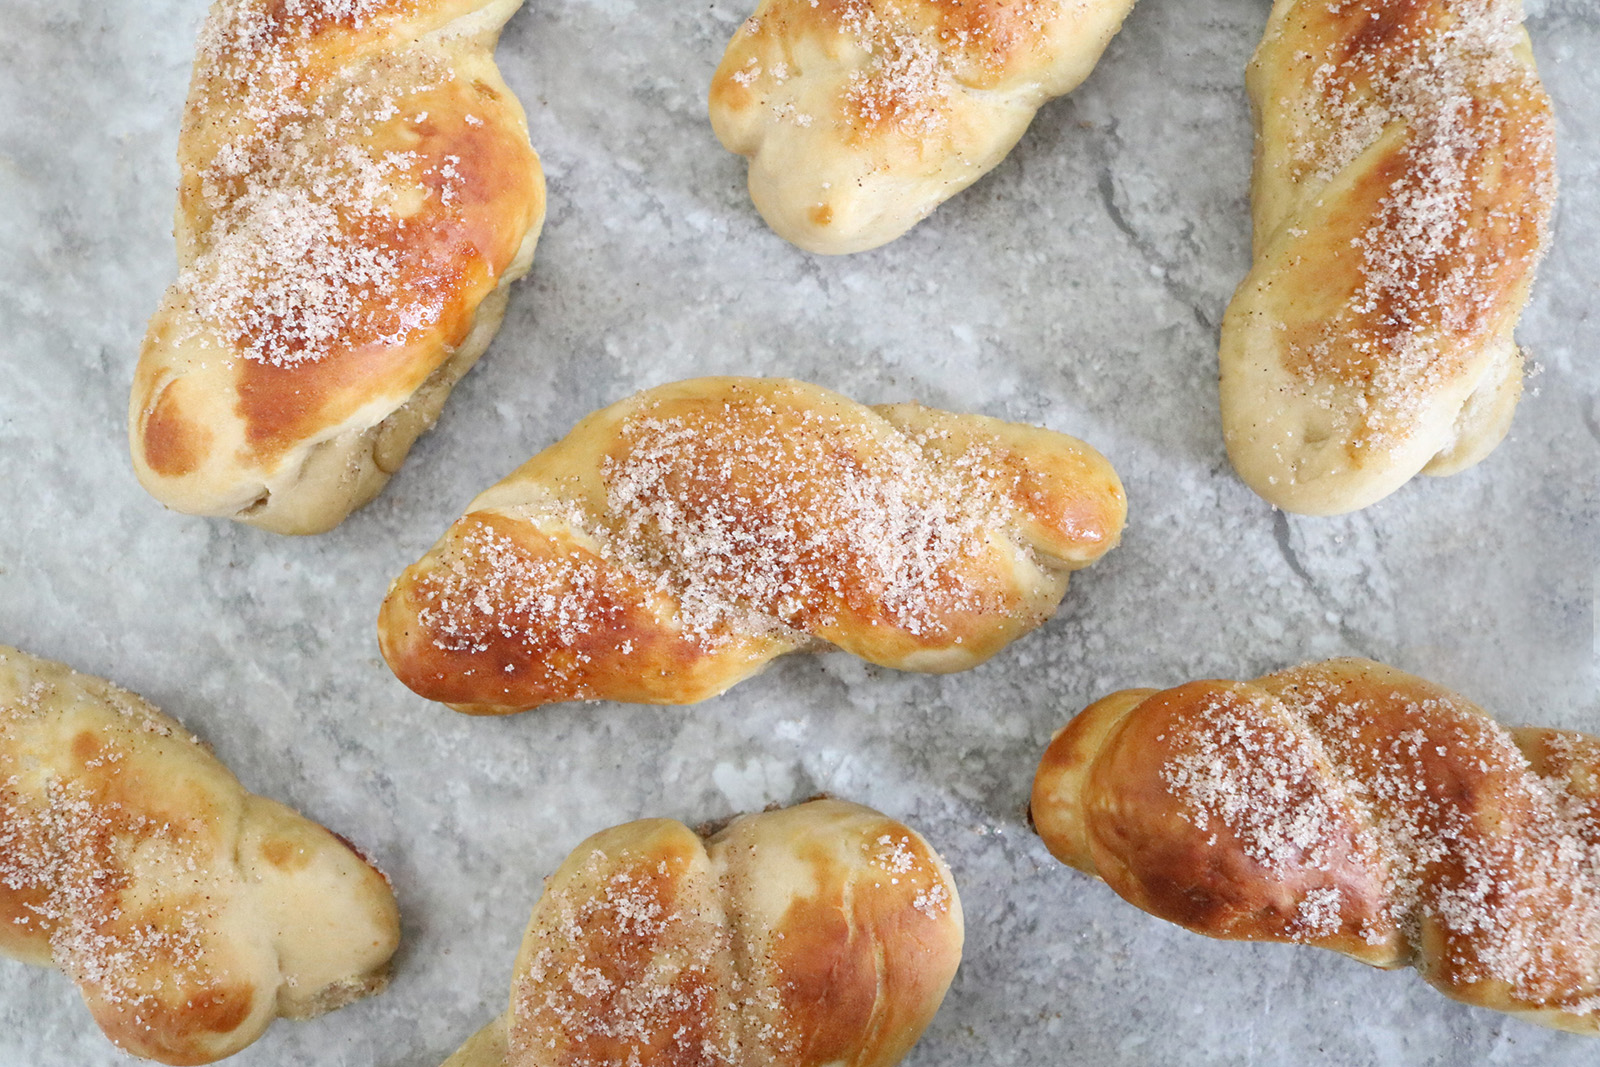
(824, 933)
(357, 194)
(860, 117)
(1353, 807)
(1404, 179)
(677, 541)
(189, 912)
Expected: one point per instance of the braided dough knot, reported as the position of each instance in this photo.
(860, 117)
(676, 542)
(1404, 177)
(189, 912)
(358, 192)
(1350, 806)
(824, 933)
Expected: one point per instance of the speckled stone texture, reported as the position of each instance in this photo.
(1079, 286)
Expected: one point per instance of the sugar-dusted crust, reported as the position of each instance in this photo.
(860, 117)
(1353, 807)
(357, 194)
(189, 912)
(676, 542)
(1404, 179)
(820, 934)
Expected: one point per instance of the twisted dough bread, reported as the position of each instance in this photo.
(860, 117)
(357, 194)
(189, 912)
(1349, 806)
(1404, 178)
(822, 934)
(676, 542)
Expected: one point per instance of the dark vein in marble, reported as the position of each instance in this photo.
(1282, 535)
(1184, 294)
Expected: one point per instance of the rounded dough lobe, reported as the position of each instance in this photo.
(820, 934)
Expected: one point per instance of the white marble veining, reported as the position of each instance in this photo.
(1080, 286)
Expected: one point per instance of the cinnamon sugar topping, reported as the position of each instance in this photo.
(1464, 217)
(68, 848)
(302, 212)
(68, 859)
(1265, 780)
(1503, 866)
(635, 964)
(751, 520)
(919, 52)
(908, 78)
(665, 954)
(794, 514)
(493, 587)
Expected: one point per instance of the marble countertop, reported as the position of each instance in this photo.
(1079, 286)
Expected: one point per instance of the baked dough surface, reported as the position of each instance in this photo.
(357, 194)
(676, 542)
(859, 117)
(189, 912)
(1353, 807)
(1404, 180)
(820, 934)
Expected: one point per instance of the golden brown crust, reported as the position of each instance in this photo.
(623, 649)
(676, 542)
(189, 912)
(824, 933)
(851, 917)
(861, 116)
(358, 190)
(1350, 806)
(1404, 181)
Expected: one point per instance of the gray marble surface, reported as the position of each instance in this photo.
(1078, 286)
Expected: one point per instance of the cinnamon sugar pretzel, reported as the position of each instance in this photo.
(357, 194)
(860, 117)
(189, 912)
(1353, 807)
(1404, 179)
(676, 542)
(824, 933)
